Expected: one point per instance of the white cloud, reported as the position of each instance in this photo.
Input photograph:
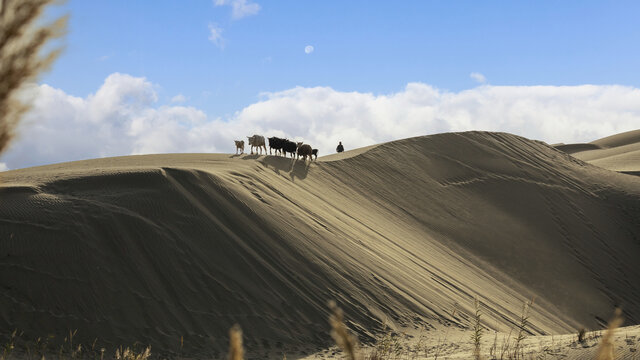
(553, 114)
(215, 35)
(123, 118)
(308, 49)
(120, 118)
(3, 167)
(178, 99)
(478, 77)
(240, 8)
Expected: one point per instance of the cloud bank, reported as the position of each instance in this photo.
(124, 117)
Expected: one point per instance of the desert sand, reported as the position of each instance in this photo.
(620, 152)
(402, 235)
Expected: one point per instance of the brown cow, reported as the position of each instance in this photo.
(239, 146)
(304, 150)
(258, 142)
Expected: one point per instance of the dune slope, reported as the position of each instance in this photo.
(152, 248)
(620, 152)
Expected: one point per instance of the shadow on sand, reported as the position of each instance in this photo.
(251, 157)
(295, 168)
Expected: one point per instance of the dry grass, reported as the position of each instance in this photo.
(522, 330)
(347, 342)
(606, 348)
(10, 345)
(236, 351)
(17, 347)
(128, 354)
(476, 335)
(391, 346)
(21, 57)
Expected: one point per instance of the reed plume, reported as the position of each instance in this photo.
(347, 342)
(236, 351)
(476, 335)
(606, 348)
(21, 57)
(129, 354)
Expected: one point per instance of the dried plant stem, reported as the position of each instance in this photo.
(21, 61)
(129, 354)
(522, 332)
(606, 348)
(476, 336)
(236, 351)
(347, 342)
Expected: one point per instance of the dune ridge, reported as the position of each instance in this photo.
(620, 152)
(157, 247)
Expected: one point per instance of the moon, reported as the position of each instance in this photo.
(308, 49)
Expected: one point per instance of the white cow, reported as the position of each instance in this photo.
(257, 141)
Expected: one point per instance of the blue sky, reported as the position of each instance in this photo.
(365, 46)
(162, 76)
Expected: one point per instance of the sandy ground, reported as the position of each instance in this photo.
(455, 344)
(402, 235)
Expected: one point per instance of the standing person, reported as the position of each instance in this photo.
(340, 148)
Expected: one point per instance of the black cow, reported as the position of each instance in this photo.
(289, 147)
(276, 143)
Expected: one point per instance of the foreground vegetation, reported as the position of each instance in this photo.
(392, 347)
(22, 59)
(389, 346)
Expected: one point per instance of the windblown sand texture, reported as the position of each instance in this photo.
(152, 248)
(619, 152)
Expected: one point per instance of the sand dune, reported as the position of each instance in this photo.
(152, 248)
(626, 138)
(620, 152)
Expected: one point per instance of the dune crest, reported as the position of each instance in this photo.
(620, 152)
(152, 248)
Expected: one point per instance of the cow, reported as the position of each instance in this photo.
(258, 142)
(304, 150)
(315, 153)
(239, 146)
(289, 147)
(276, 143)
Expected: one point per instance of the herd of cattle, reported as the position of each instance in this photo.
(282, 146)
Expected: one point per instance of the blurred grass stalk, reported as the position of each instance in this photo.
(23, 37)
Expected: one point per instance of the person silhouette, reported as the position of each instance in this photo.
(340, 148)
